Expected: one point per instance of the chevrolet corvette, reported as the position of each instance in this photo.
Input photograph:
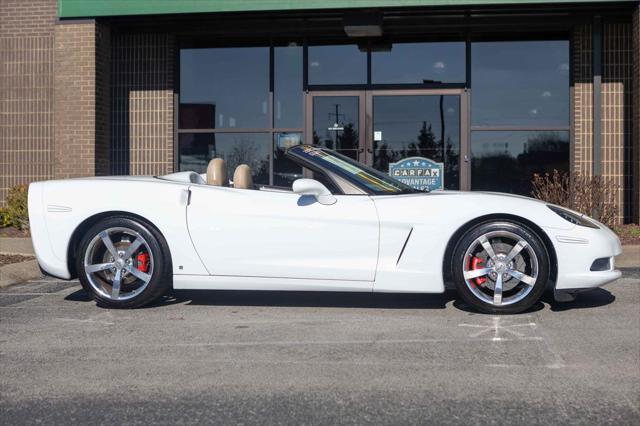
(342, 227)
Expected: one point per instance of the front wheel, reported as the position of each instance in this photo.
(123, 263)
(500, 267)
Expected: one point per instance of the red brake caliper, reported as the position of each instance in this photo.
(476, 263)
(143, 262)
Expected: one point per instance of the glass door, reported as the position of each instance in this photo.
(417, 124)
(382, 127)
(336, 120)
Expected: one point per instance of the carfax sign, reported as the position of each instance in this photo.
(418, 172)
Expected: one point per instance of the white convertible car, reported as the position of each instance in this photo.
(351, 228)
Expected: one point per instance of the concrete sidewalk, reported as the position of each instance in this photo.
(15, 273)
(630, 257)
(18, 272)
(21, 246)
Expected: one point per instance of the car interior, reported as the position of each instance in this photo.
(216, 175)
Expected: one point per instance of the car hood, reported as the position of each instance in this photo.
(462, 206)
(467, 194)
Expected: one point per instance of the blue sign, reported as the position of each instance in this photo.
(419, 173)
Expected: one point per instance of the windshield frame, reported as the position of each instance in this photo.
(294, 153)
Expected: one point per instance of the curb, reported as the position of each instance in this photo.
(630, 257)
(18, 272)
(16, 246)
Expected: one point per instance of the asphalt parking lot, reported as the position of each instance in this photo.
(317, 358)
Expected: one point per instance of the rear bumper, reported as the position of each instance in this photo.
(577, 250)
(48, 262)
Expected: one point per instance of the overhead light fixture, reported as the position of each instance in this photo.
(378, 45)
(363, 25)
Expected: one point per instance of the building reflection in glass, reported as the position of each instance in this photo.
(336, 123)
(505, 161)
(418, 126)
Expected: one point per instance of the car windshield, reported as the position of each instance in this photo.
(362, 176)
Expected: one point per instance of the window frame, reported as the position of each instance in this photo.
(468, 37)
(478, 129)
(271, 130)
(516, 128)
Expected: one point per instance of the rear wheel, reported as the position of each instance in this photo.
(500, 267)
(123, 263)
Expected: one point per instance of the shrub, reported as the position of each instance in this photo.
(594, 196)
(4, 218)
(15, 214)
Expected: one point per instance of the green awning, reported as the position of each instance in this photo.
(95, 8)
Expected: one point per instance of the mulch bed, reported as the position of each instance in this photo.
(628, 234)
(6, 259)
(14, 233)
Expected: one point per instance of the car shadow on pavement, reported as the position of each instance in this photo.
(79, 296)
(463, 306)
(293, 299)
(587, 299)
(591, 298)
(308, 299)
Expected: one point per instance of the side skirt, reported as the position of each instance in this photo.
(219, 282)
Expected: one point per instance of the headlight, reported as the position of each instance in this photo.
(572, 217)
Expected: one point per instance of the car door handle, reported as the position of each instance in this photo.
(185, 197)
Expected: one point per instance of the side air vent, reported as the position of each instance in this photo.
(404, 246)
(601, 264)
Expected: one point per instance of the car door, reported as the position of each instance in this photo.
(263, 233)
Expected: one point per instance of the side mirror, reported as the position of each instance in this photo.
(314, 188)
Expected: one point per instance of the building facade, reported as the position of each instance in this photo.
(495, 90)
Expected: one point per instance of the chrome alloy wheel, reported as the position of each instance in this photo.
(500, 268)
(110, 263)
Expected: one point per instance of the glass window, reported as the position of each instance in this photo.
(196, 149)
(505, 161)
(336, 123)
(418, 126)
(419, 63)
(339, 64)
(520, 83)
(224, 88)
(285, 171)
(287, 87)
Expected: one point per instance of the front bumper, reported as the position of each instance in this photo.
(576, 251)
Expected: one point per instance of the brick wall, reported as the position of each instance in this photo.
(81, 81)
(582, 101)
(27, 18)
(103, 96)
(142, 104)
(635, 138)
(26, 84)
(616, 109)
(74, 106)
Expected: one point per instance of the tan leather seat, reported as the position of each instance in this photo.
(242, 177)
(217, 172)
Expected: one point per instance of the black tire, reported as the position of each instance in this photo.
(523, 297)
(160, 275)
